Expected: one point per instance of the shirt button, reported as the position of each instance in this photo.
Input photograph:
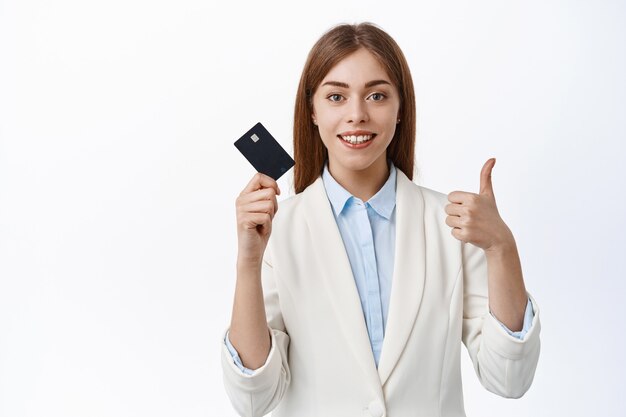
(376, 409)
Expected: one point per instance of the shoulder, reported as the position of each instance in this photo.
(292, 209)
(430, 205)
(296, 202)
(290, 205)
(429, 196)
(292, 222)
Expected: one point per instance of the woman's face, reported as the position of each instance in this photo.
(356, 108)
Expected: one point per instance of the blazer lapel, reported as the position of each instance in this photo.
(409, 273)
(337, 276)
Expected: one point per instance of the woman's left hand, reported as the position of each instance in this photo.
(474, 218)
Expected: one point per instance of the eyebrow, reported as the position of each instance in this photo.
(367, 85)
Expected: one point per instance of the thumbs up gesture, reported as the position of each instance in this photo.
(474, 218)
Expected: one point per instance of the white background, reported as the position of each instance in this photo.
(118, 177)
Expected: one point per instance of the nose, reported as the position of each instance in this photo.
(357, 112)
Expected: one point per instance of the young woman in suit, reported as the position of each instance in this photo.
(359, 302)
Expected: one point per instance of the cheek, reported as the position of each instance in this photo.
(327, 117)
(389, 113)
(327, 124)
(324, 124)
(327, 134)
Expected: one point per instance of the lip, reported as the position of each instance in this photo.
(357, 133)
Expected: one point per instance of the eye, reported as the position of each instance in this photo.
(377, 96)
(335, 98)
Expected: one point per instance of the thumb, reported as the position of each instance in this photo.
(485, 177)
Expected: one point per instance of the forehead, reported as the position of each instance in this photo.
(357, 69)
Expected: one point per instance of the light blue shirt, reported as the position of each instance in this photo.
(368, 231)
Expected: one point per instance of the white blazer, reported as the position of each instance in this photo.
(321, 363)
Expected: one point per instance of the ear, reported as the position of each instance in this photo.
(313, 118)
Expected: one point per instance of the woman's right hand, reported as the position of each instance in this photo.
(256, 207)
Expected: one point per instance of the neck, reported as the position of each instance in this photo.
(362, 184)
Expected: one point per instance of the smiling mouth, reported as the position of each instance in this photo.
(357, 139)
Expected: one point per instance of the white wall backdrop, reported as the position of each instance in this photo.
(118, 177)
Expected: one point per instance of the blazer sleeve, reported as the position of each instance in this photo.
(258, 394)
(505, 365)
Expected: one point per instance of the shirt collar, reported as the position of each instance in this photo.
(383, 202)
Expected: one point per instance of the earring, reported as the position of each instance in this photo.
(398, 121)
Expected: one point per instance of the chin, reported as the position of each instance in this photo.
(357, 163)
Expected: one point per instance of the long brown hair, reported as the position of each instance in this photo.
(336, 44)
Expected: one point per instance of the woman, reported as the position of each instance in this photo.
(359, 302)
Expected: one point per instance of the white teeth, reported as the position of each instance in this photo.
(357, 139)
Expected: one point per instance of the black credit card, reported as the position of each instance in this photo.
(264, 152)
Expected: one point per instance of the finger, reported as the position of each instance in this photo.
(486, 186)
(275, 203)
(263, 206)
(253, 220)
(258, 195)
(460, 197)
(458, 234)
(261, 198)
(453, 221)
(260, 181)
(454, 209)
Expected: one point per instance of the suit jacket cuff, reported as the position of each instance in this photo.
(235, 355)
(507, 345)
(528, 321)
(257, 379)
